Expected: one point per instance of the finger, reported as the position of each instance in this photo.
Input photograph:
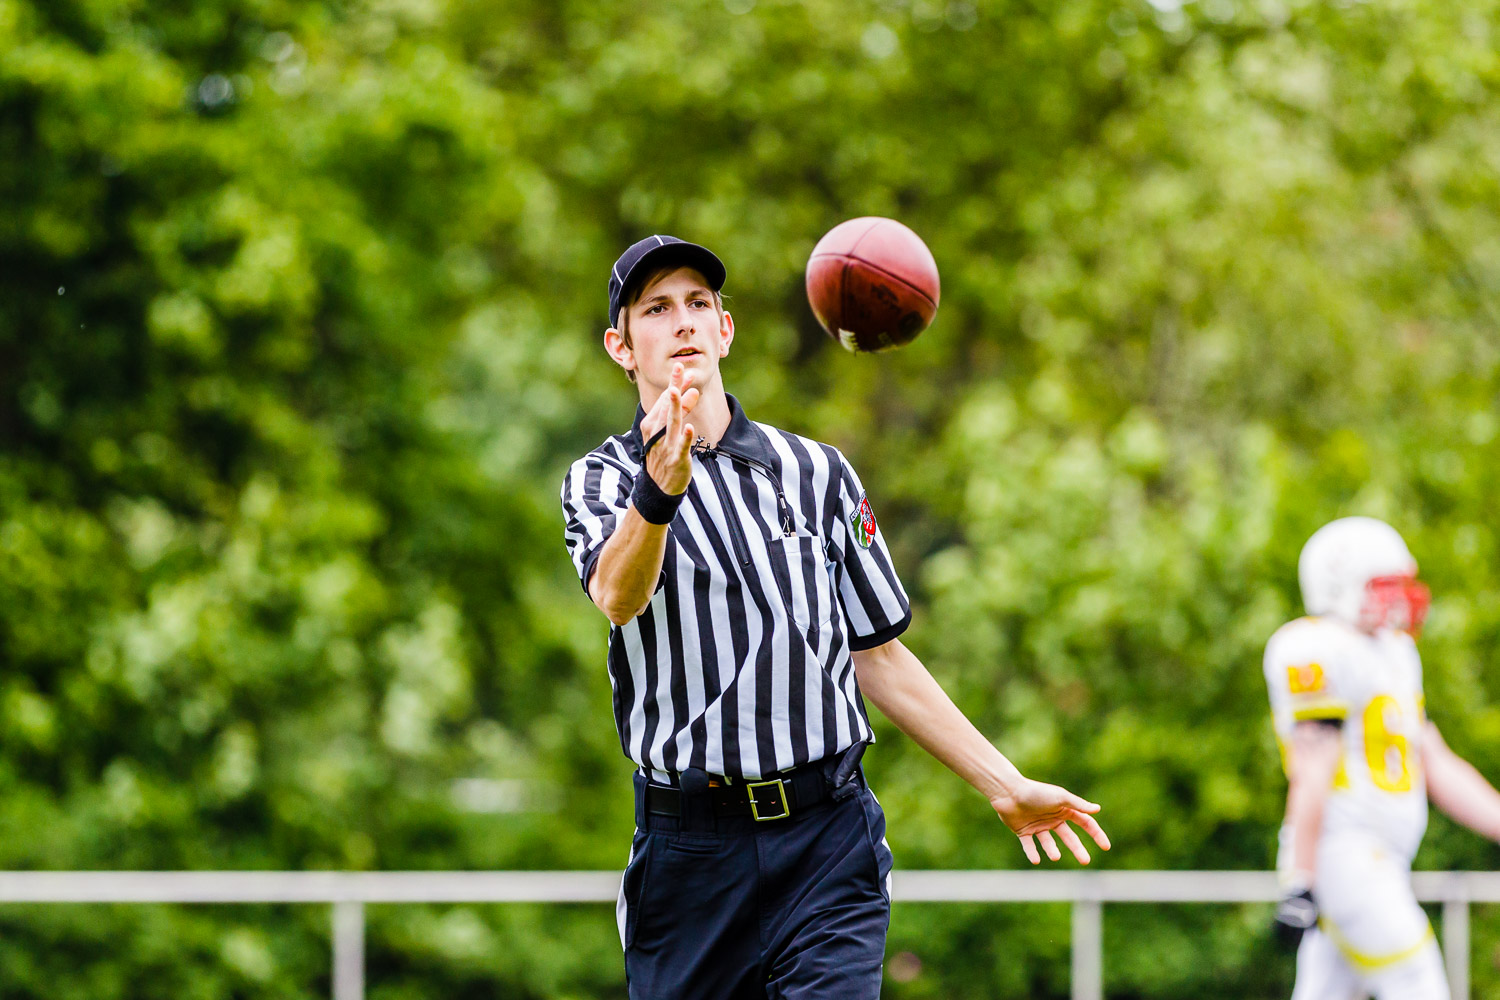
(689, 400)
(1079, 803)
(661, 412)
(687, 438)
(1091, 827)
(1049, 845)
(1029, 847)
(1070, 839)
(674, 412)
(656, 419)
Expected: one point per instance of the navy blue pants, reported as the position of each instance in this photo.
(730, 909)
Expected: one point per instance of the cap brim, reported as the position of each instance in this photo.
(700, 259)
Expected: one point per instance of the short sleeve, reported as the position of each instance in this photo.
(594, 495)
(875, 605)
(1303, 678)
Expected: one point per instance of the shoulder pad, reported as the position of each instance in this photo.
(1310, 636)
(1303, 660)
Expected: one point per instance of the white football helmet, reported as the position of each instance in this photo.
(1358, 570)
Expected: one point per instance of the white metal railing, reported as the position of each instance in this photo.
(348, 892)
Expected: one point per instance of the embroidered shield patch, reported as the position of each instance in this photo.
(862, 522)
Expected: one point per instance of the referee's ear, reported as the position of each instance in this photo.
(620, 351)
(726, 333)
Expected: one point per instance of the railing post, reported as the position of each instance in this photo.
(348, 950)
(1088, 950)
(1456, 946)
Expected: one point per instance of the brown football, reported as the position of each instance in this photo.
(873, 284)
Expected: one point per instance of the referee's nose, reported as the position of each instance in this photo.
(685, 320)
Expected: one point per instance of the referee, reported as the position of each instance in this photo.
(754, 606)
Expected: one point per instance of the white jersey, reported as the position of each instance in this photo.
(1320, 668)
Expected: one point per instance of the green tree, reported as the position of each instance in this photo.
(299, 319)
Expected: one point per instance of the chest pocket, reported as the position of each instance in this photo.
(802, 575)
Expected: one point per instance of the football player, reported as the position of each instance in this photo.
(1361, 760)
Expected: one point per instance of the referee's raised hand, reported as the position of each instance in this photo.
(669, 462)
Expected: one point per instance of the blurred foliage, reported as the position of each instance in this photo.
(299, 317)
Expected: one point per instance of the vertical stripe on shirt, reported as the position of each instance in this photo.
(742, 668)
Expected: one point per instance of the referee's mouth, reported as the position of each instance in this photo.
(687, 352)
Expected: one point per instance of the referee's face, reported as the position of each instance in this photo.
(676, 319)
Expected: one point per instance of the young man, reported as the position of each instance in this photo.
(1361, 760)
(754, 606)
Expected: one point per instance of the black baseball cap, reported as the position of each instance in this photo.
(652, 252)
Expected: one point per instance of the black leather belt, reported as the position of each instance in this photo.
(761, 800)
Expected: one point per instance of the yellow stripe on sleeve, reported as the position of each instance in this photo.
(1314, 710)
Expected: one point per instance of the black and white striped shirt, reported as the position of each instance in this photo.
(774, 572)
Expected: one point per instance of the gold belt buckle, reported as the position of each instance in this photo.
(780, 787)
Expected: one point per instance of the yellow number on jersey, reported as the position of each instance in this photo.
(1380, 741)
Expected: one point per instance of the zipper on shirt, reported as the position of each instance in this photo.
(783, 511)
(783, 508)
(731, 513)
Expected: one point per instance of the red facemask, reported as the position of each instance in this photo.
(1398, 602)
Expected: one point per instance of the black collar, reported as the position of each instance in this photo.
(742, 439)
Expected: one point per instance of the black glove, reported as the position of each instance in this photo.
(1296, 912)
(841, 781)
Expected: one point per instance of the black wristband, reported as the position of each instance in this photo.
(656, 506)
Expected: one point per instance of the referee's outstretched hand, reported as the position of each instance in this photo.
(1035, 809)
(670, 461)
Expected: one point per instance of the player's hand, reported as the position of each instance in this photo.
(670, 460)
(1296, 913)
(1035, 811)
